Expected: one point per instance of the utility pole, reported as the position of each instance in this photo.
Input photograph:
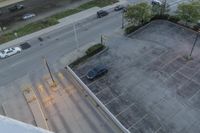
(195, 41)
(122, 20)
(47, 65)
(76, 37)
(101, 39)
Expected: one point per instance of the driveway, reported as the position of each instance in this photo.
(150, 86)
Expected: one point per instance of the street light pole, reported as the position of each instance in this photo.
(122, 20)
(47, 65)
(195, 41)
(76, 37)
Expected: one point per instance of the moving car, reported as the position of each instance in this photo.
(101, 13)
(9, 52)
(28, 16)
(16, 8)
(156, 2)
(96, 72)
(119, 7)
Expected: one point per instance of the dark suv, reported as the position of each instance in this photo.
(96, 72)
(16, 8)
(101, 13)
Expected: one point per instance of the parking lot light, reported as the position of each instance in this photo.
(195, 41)
(76, 37)
(51, 76)
(122, 20)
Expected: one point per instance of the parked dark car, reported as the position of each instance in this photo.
(97, 72)
(101, 13)
(156, 2)
(16, 8)
(119, 8)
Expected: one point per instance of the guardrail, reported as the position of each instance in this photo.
(82, 86)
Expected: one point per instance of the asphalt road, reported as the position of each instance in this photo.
(55, 45)
(31, 6)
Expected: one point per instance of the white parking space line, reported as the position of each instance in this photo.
(124, 110)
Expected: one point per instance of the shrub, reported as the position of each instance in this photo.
(131, 29)
(174, 19)
(94, 49)
(165, 17)
(78, 61)
(196, 27)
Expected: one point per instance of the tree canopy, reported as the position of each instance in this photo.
(189, 12)
(162, 9)
(138, 14)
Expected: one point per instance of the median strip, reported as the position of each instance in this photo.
(52, 20)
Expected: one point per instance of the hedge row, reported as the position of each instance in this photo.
(173, 19)
(89, 52)
(95, 49)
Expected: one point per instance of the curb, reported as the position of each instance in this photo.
(138, 30)
(153, 21)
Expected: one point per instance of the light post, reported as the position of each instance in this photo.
(47, 65)
(76, 37)
(195, 41)
(122, 20)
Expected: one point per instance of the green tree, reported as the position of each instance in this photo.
(138, 14)
(189, 12)
(160, 9)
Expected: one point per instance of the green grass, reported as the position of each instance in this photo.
(27, 29)
(36, 26)
(93, 50)
(98, 3)
(65, 13)
(30, 28)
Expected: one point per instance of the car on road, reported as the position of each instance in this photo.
(97, 72)
(102, 13)
(16, 8)
(156, 2)
(119, 8)
(28, 16)
(9, 52)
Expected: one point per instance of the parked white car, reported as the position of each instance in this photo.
(28, 16)
(9, 52)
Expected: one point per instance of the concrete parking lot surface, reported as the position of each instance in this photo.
(64, 108)
(150, 86)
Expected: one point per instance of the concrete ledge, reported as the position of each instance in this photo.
(35, 108)
(9, 125)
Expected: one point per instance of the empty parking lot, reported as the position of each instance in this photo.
(150, 86)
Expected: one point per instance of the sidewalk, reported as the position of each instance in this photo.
(87, 15)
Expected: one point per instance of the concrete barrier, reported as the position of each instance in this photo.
(79, 83)
(35, 108)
